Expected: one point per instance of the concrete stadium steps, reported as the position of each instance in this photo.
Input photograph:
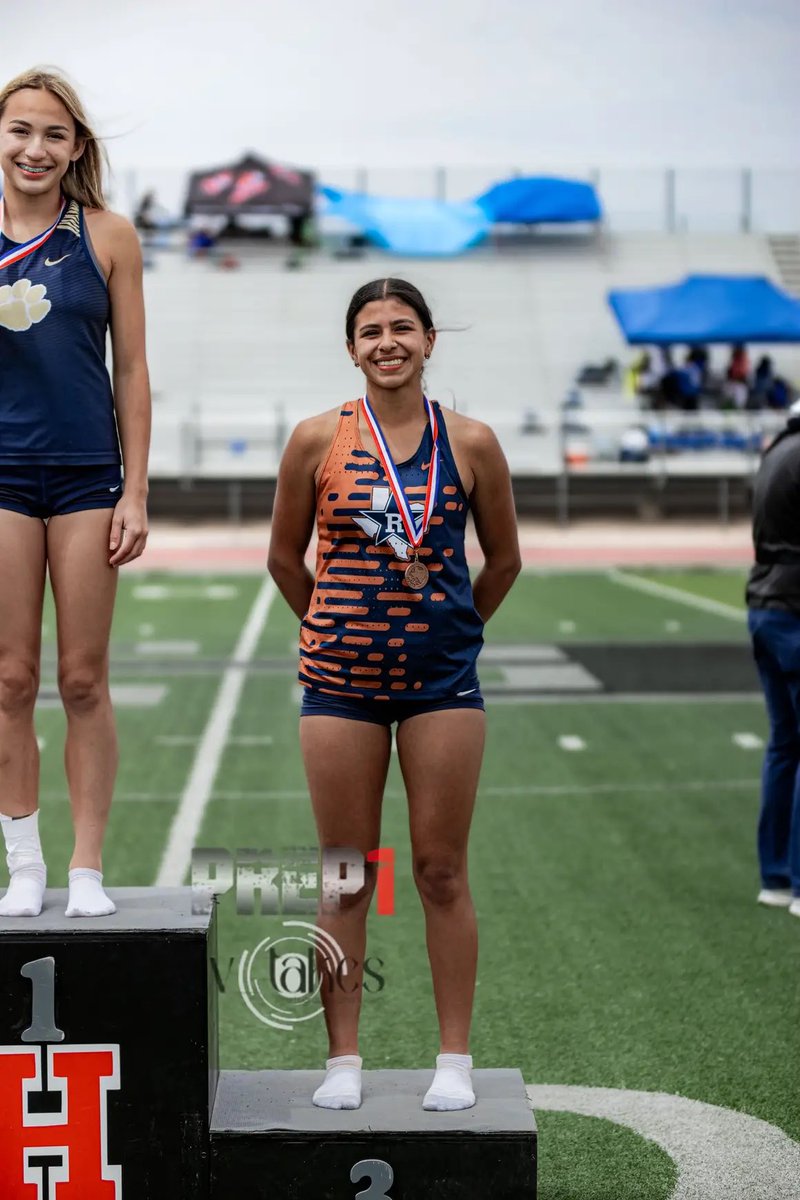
(785, 250)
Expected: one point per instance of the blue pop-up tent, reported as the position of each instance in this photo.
(708, 308)
(408, 226)
(540, 198)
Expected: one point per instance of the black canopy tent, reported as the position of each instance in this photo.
(250, 187)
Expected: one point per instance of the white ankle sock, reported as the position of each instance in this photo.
(341, 1087)
(28, 873)
(452, 1084)
(86, 895)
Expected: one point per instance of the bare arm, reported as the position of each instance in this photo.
(131, 386)
(492, 504)
(293, 517)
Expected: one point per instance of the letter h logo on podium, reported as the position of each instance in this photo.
(60, 1153)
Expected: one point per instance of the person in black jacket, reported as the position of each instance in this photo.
(773, 601)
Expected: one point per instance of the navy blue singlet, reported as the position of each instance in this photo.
(366, 632)
(56, 402)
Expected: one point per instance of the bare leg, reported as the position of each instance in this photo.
(440, 756)
(346, 764)
(84, 586)
(22, 575)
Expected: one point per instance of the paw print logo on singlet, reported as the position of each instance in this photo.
(22, 304)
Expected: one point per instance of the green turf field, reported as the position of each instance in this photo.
(613, 863)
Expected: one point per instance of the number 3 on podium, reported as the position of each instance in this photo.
(380, 1175)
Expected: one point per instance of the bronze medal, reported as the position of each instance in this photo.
(416, 575)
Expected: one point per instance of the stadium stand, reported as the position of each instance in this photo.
(239, 356)
(786, 253)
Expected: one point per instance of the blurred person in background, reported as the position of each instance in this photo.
(763, 380)
(773, 602)
(146, 215)
(781, 394)
(698, 357)
(688, 382)
(737, 376)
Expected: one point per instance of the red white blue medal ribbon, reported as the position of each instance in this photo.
(415, 527)
(20, 252)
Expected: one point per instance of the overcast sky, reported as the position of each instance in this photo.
(527, 82)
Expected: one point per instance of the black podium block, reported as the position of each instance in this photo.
(268, 1140)
(108, 1050)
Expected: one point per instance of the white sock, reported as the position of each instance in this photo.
(27, 870)
(86, 895)
(452, 1084)
(341, 1087)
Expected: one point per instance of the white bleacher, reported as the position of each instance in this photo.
(244, 354)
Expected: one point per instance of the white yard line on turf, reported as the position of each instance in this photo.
(691, 785)
(597, 789)
(665, 592)
(200, 784)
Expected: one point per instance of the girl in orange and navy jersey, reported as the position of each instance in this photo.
(391, 629)
(367, 634)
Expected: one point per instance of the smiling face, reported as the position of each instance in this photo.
(389, 343)
(37, 142)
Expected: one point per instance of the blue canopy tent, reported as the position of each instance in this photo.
(415, 227)
(540, 198)
(706, 309)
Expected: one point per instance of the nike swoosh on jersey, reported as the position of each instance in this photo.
(53, 262)
(115, 489)
(467, 692)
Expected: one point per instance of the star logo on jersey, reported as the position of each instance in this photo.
(22, 304)
(383, 523)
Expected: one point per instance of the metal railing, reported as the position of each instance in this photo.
(195, 444)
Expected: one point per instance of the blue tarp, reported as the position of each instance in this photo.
(708, 308)
(415, 227)
(540, 198)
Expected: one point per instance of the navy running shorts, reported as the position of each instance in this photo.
(53, 491)
(380, 712)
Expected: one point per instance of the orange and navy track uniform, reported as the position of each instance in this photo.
(367, 634)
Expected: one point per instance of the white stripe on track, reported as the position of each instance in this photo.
(665, 592)
(597, 789)
(200, 784)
